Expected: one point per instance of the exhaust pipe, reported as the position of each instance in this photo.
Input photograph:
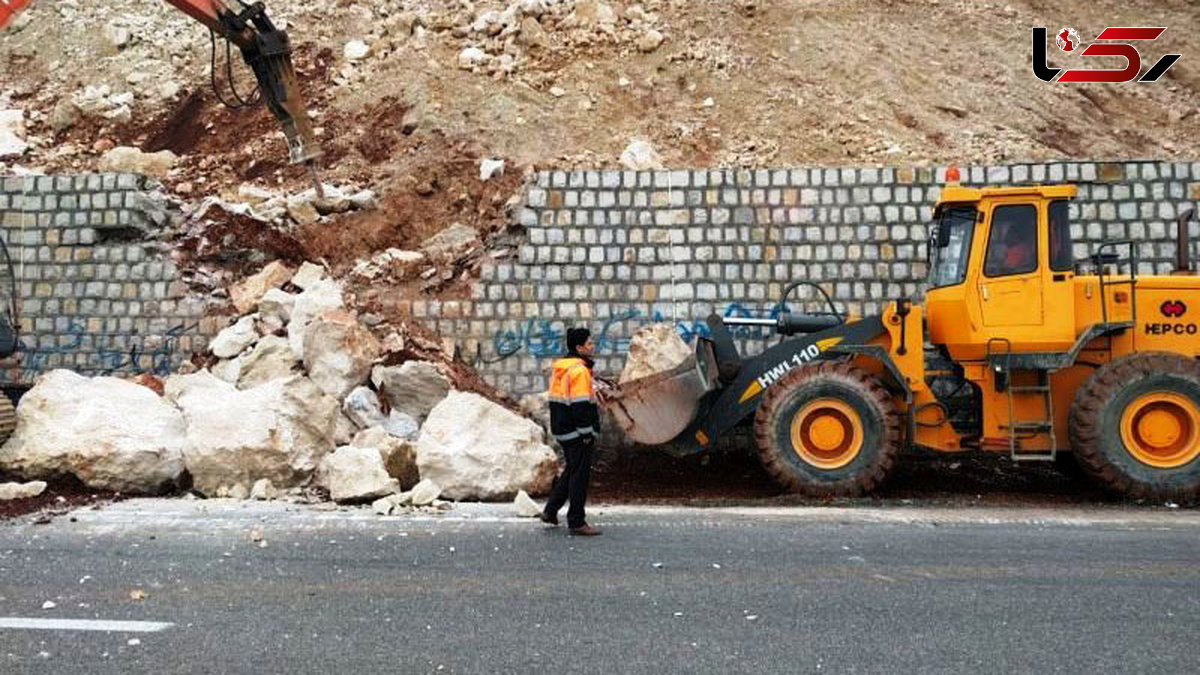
(1183, 244)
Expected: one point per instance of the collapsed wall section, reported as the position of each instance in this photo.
(614, 250)
(97, 290)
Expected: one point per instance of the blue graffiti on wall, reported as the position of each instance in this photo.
(541, 338)
(35, 360)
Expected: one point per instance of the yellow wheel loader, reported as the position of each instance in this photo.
(1017, 348)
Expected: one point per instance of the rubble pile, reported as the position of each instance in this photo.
(296, 393)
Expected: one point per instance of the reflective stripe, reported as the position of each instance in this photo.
(581, 431)
(569, 401)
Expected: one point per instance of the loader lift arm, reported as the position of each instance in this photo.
(266, 50)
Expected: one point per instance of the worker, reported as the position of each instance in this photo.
(574, 423)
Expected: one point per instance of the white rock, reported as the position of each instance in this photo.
(21, 490)
(317, 298)
(276, 306)
(271, 359)
(308, 276)
(557, 92)
(414, 387)
(343, 430)
(357, 474)
(117, 36)
(12, 133)
(229, 370)
(263, 490)
(639, 155)
(303, 212)
(650, 41)
(489, 168)
(525, 506)
(476, 449)
(472, 57)
(125, 159)
(109, 433)
(356, 50)
(239, 491)
(362, 407)
(384, 505)
(656, 348)
(339, 352)
(451, 242)
(399, 456)
(402, 425)
(254, 195)
(280, 430)
(64, 116)
(363, 199)
(247, 293)
(234, 339)
(425, 492)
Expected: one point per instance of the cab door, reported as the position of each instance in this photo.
(1010, 287)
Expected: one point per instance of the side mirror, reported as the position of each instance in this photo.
(943, 236)
(1106, 258)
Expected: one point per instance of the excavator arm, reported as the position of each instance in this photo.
(266, 50)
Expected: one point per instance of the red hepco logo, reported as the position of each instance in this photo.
(1068, 41)
(1173, 309)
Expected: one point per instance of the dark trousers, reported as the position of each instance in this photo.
(572, 483)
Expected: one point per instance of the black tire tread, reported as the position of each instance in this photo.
(1087, 410)
(870, 388)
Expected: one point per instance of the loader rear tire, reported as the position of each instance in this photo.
(1135, 426)
(8, 418)
(828, 430)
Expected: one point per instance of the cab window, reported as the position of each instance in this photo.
(1012, 242)
(1062, 256)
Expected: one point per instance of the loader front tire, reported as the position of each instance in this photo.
(828, 430)
(1135, 426)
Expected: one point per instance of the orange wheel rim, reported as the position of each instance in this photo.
(827, 433)
(1162, 430)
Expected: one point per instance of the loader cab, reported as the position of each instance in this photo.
(1001, 269)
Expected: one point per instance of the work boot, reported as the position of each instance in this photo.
(585, 530)
(548, 518)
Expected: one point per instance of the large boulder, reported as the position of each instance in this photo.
(399, 456)
(271, 359)
(654, 349)
(109, 433)
(319, 297)
(339, 352)
(413, 387)
(476, 449)
(245, 295)
(354, 474)
(280, 430)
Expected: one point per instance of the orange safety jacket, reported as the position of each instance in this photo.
(573, 410)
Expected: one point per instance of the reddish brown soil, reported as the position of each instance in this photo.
(440, 187)
(61, 495)
(735, 477)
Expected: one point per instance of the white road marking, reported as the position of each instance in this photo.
(84, 624)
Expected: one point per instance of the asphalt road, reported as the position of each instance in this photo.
(664, 590)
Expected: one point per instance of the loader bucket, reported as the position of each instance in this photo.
(654, 410)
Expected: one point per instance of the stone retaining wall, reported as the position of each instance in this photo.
(616, 249)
